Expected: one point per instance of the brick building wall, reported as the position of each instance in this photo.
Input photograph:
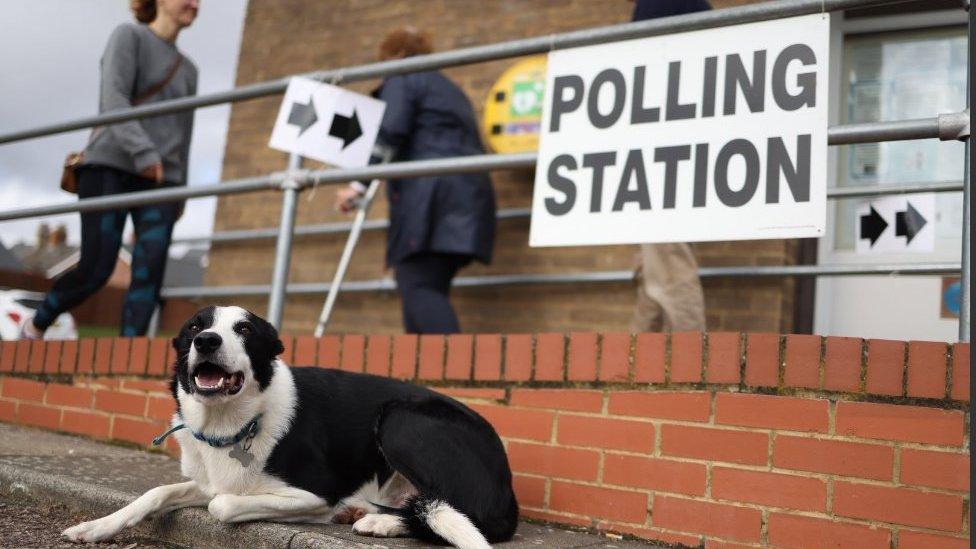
(717, 440)
(283, 37)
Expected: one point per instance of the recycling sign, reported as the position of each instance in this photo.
(327, 123)
(902, 223)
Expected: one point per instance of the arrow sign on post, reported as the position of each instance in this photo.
(346, 128)
(872, 225)
(908, 223)
(302, 115)
(910, 215)
(327, 123)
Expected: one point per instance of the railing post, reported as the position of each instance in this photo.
(286, 228)
(964, 276)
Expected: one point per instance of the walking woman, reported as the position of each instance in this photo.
(438, 224)
(141, 65)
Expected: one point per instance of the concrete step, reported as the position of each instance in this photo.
(101, 478)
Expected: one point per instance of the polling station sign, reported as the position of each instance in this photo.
(718, 134)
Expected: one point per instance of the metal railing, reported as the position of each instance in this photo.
(294, 180)
(318, 229)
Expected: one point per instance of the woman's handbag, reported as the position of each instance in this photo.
(74, 160)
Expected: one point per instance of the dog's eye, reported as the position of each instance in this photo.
(194, 327)
(244, 329)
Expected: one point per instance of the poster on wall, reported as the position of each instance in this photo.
(718, 134)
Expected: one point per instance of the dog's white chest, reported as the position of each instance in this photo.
(218, 471)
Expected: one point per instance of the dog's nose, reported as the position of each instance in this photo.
(207, 342)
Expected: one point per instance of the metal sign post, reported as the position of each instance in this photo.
(965, 295)
(286, 230)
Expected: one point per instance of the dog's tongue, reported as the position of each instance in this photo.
(209, 377)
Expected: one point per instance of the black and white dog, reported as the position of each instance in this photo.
(262, 441)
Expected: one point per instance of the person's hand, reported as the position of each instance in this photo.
(153, 172)
(346, 198)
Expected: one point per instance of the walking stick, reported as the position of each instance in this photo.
(351, 241)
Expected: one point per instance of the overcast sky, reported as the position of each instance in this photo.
(50, 51)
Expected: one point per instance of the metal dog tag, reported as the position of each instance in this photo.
(241, 454)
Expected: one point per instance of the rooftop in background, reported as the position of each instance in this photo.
(55, 256)
(9, 260)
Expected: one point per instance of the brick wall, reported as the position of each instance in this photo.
(283, 37)
(722, 439)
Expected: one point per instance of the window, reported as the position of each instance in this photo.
(898, 76)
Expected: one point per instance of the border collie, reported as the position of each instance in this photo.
(262, 441)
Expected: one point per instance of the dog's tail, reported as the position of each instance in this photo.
(426, 516)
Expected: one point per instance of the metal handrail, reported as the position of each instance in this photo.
(387, 284)
(835, 193)
(924, 128)
(478, 54)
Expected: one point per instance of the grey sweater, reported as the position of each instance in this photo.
(135, 60)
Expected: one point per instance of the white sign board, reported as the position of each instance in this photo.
(709, 135)
(902, 223)
(327, 123)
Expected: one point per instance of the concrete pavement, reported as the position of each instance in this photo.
(100, 478)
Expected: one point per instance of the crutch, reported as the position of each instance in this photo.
(384, 154)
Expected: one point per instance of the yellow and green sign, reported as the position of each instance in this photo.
(513, 111)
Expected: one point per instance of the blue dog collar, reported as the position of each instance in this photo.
(249, 431)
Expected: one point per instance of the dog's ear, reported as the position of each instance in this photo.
(270, 334)
(277, 347)
(176, 343)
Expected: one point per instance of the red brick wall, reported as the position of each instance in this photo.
(719, 439)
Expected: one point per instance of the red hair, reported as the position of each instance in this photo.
(144, 10)
(404, 42)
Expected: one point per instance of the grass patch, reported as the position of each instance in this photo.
(97, 331)
(112, 331)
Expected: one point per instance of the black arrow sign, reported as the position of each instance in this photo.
(302, 115)
(346, 128)
(872, 225)
(908, 223)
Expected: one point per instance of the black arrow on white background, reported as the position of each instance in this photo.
(909, 223)
(346, 128)
(302, 115)
(872, 225)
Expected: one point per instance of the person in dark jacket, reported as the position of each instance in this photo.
(438, 224)
(141, 65)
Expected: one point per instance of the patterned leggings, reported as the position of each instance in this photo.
(101, 238)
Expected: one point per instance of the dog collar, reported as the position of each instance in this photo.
(249, 431)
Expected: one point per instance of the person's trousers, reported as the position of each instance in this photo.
(424, 283)
(101, 238)
(669, 292)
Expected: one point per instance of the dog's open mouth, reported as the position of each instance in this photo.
(211, 379)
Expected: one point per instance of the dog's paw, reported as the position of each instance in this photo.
(379, 525)
(348, 514)
(222, 508)
(93, 530)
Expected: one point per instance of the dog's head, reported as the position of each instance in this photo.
(221, 351)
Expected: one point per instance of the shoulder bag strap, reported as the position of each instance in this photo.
(148, 94)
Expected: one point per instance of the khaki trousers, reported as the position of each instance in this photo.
(669, 292)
